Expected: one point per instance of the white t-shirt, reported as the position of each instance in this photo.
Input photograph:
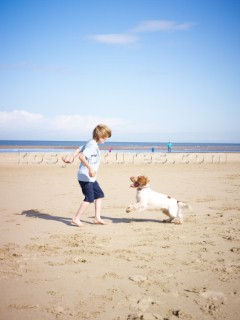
(92, 154)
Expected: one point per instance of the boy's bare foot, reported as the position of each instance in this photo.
(77, 223)
(99, 221)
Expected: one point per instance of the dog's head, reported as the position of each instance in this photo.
(139, 182)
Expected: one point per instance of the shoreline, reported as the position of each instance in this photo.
(131, 147)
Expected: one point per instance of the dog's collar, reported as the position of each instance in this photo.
(140, 188)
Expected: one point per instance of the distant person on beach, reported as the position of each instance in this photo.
(169, 145)
(89, 156)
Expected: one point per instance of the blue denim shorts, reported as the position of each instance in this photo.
(91, 191)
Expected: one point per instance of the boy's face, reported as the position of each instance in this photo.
(102, 140)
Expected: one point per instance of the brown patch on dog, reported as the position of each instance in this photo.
(169, 197)
(142, 181)
(165, 211)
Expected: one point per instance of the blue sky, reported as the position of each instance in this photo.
(153, 70)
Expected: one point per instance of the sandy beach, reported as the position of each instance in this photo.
(136, 267)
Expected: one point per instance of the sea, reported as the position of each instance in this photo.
(7, 146)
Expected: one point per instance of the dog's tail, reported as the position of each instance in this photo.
(184, 205)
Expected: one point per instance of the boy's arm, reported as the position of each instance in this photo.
(83, 159)
(72, 157)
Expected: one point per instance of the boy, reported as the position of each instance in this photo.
(89, 156)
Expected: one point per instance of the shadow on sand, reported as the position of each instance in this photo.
(129, 220)
(33, 213)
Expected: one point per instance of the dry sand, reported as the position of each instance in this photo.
(136, 267)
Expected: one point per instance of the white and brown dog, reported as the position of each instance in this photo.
(147, 199)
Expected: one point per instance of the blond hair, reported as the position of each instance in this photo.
(101, 131)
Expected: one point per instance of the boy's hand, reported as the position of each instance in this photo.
(67, 160)
(92, 173)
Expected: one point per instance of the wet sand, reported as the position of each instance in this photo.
(136, 267)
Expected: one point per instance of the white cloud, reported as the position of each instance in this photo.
(20, 124)
(24, 125)
(115, 38)
(145, 26)
(19, 117)
(161, 25)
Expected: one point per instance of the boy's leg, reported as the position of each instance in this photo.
(99, 195)
(98, 205)
(87, 190)
(76, 219)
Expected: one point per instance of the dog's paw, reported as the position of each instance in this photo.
(128, 209)
(179, 221)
